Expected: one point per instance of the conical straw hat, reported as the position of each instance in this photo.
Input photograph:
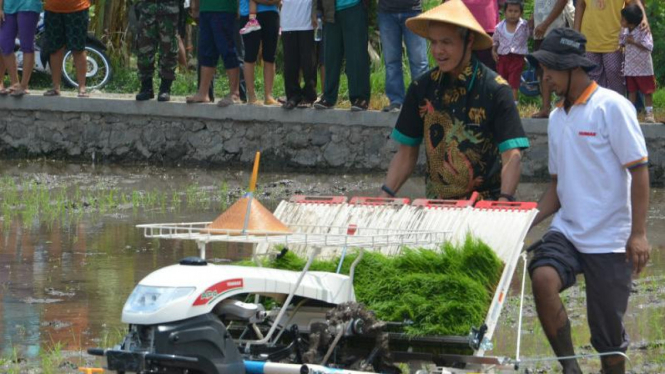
(261, 220)
(453, 12)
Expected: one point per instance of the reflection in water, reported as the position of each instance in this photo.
(66, 281)
(68, 284)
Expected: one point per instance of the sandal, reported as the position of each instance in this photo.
(360, 105)
(323, 104)
(83, 94)
(290, 105)
(52, 92)
(228, 100)
(194, 100)
(8, 90)
(270, 102)
(305, 104)
(20, 92)
(253, 101)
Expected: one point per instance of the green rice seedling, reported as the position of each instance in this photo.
(11, 364)
(149, 199)
(445, 292)
(290, 261)
(175, 200)
(111, 338)
(191, 195)
(111, 198)
(77, 194)
(481, 263)
(123, 199)
(136, 199)
(51, 357)
(428, 260)
(162, 202)
(223, 195)
(90, 199)
(61, 201)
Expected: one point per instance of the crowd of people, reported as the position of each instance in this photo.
(328, 37)
(66, 28)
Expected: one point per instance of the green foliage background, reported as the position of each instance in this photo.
(655, 10)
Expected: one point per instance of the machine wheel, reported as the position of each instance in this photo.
(356, 322)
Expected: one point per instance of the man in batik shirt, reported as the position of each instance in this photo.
(462, 111)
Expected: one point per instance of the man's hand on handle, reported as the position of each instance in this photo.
(638, 251)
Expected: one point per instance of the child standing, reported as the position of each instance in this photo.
(638, 66)
(510, 44)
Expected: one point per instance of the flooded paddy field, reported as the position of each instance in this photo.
(70, 255)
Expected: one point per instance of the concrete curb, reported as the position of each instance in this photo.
(124, 130)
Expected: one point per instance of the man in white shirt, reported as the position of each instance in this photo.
(599, 194)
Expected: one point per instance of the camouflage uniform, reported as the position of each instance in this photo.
(158, 25)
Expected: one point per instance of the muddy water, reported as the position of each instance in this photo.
(63, 281)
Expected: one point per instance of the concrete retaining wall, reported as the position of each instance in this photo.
(114, 130)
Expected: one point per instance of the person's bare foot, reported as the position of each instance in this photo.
(52, 92)
(543, 113)
(229, 100)
(269, 100)
(9, 90)
(197, 99)
(20, 91)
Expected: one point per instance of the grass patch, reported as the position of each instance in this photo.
(443, 292)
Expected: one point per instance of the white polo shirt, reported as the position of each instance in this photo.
(591, 149)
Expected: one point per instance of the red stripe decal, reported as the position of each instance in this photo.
(217, 290)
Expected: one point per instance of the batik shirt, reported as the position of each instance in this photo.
(465, 123)
(638, 62)
(515, 42)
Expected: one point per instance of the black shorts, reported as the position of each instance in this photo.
(68, 30)
(268, 36)
(216, 39)
(608, 279)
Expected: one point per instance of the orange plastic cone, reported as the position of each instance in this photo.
(235, 220)
(261, 220)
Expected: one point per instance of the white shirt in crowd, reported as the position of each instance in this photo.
(296, 15)
(591, 149)
(542, 10)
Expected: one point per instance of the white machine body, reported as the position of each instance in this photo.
(179, 292)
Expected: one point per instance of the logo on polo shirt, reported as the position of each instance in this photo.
(587, 133)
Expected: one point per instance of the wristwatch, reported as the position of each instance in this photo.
(507, 196)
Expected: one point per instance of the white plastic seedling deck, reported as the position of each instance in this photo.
(502, 226)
